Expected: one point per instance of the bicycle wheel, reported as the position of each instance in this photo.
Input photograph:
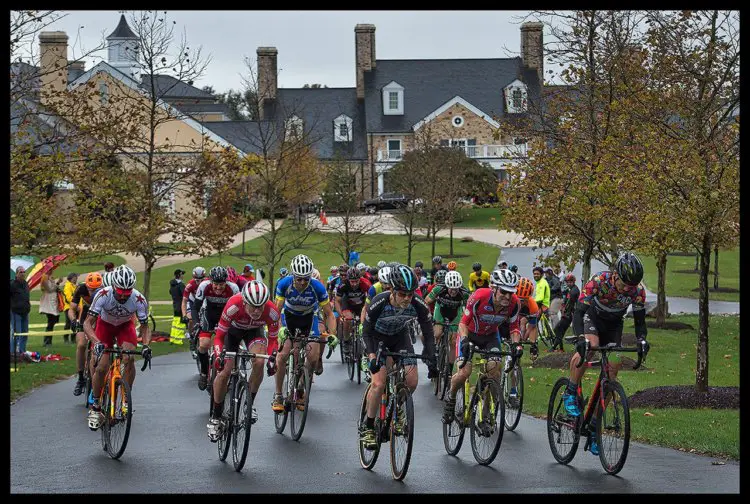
(118, 415)
(513, 406)
(300, 417)
(546, 334)
(613, 428)
(453, 433)
(227, 424)
(87, 378)
(446, 378)
(563, 430)
(351, 360)
(279, 418)
(441, 358)
(487, 421)
(402, 433)
(367, 457)
(358, 360)
(242, 405)
(341, 345)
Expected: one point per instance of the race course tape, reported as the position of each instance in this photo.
(43, 333)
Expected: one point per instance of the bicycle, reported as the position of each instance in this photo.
(296, 378)
(116, 402)
(513, 374)
(236, 421)
(356, 350)
(545, 331)
(442, 382)
(396, 415)
(480, 409)
(610, 410)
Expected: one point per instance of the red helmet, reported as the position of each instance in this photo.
(570, 277)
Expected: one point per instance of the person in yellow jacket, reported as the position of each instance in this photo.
(478, 278)
(542, 289)
(68, 289)
(176, 288)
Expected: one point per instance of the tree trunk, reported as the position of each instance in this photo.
(451, 238)
(716, 268)
(661, 295)
(147, 275)
(701, 367)
(243, 240)
(410, 241)
(696, 262)
(432, 227)
(586, 266)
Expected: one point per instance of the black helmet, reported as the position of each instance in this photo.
(437, 259)
(218, 274)
(440, 277)
(372, 270)
(403, 278)
(354, 274)
(418, 264)
(513, 268)
(476, 267)
(629, 268)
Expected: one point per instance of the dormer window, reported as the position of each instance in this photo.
(293, 128)
(393, 99)
(516, 97)
(342, 128)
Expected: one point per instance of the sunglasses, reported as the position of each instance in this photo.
(301, 279)
(123, 292)
(404, 294)
(503, 293)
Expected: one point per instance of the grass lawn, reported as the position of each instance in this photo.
(477, 217)
(671, 361)
(318, 247)
(32, 375)
(682, 284)
(82, 266)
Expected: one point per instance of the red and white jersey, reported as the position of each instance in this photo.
(235, 316)
(105, 306)
(480, 316)
(209, 295)
(190, 289)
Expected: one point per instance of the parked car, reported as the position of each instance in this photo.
(389, 201)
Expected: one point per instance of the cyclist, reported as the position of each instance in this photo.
(570, 297)
(599, 314)
(387, 319)
(298, 294)
(350, 298)
(449, 299)
(529, 315)
(243, 319)
(319, 326)
(77, 312)
(452, 266)
(542, 289)
(485, 310)
(478, 278)
(112, 310)
(334, 271)
(437, 265)
(373, 271)
(283, 272)
(380, 286)
(188, 300)
(423, 277)
(336, 281)
(210, 299)
(248, 272)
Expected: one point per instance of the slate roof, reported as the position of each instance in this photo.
(122, 30)
(168, 87)
(190, 107)
(428, 84)
(44, 131)
(245, 135)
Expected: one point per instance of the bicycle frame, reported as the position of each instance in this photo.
(479, 369)
(113, 373)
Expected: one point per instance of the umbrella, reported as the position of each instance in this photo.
(23, 260)
(46, 266)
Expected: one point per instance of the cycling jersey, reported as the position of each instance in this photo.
(301, 303)
(478, 281)
(373, 291)
(480, 316)
(529, 310)
(384, 322)
(449, 305)
(353, 297)
(235, 321)
(212, 302)
(82, 299)
(107, 308)
(189, 292)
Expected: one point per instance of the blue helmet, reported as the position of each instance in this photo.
(283, 272)
(403, 278)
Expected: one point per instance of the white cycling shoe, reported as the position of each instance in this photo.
(214, 429)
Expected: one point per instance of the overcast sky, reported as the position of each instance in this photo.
(314, 46)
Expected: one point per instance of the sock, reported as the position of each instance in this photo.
(572, 388)
(80, 375)
(218, 409)
(253, 394)
(370, 423)
(204, 362)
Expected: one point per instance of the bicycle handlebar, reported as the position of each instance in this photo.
(583, 346)
(122, 351)
(473, 349)
(382, 352)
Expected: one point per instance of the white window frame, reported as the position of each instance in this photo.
(393, 87)
(389, 150)
(294, 127)
(509, 90)
(342, 120)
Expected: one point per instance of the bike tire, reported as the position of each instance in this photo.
(153, 323)
(403, 403)
(113, 416)
(484, 400)
(242, 407)
(513, 413)
(438, 380)
(359, 360)
(446, 378)
(280, 418)
(225, 440)
(367, 458)
(352, 362)
(546, 334)
(559, 424)
(615, 418)
(87, 378)
(300, 417)
(453, 433)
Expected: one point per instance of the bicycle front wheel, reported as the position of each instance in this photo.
(359, 360)
(118, 415)
(352, 362)
(563, 431)
(87, 378)
(280, 418)
(299, 416)
(402, 433)
(513, 403)
(546, 334)
(438, 380)
(242, 404)
(613, 428)
(453, 433)
(226, 422)
(487, 421)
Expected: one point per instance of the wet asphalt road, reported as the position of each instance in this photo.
(52, 449)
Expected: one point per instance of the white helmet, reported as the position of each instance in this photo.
(384, 275)
(255, 293)
(505, 279)
(361, 266)
(301, 266)
(453, 280)
(123, 277)
(107, 279)
(381, 264)
(316, 274)
(199, 272)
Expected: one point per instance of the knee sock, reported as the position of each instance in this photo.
(204, 362)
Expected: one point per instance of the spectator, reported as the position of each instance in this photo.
(109, 266)
(555, 296)
(542, 289)
(48, 303)
(569, 303)
(20, 306)
(68, 291)
(176, 288)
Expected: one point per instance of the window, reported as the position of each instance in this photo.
(394, 149)
(517, 98)
(393, 99)
(164, 195)
(457, 121)
(103, 93)
(342, 128)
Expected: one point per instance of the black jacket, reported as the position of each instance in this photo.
(175, 290)
(555, 288)
(20, 302)
(569, 302)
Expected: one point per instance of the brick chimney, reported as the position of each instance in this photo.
(267, 76)
(364, 53)
(532, 47)
(53, 47)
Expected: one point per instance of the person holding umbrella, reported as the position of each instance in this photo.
(48, 303)
(20, 306)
